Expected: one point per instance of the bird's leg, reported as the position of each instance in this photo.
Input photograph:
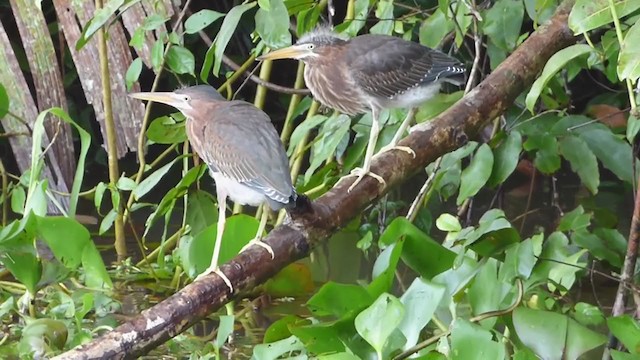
(366, 167)
(213, 267)
(403, 127)
(258, 239)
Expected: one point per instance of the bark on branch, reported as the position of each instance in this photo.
(294, 240)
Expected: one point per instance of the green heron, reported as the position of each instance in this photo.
(242, 150)
(371, 72)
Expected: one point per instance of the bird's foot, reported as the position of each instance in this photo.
(390, 147)
(218, 272)
(360, 174)
(258, 241)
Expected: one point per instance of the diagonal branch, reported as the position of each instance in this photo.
(294, 240)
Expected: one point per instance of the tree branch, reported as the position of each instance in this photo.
(294, 240)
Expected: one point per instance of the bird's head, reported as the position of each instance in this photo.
(188, 100)
(313, 45)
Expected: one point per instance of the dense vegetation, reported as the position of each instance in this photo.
(510, 246)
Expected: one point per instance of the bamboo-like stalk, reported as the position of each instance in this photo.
(5, 193)
(112, 147)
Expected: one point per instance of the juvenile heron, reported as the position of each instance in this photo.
(371, 72)
(242, 150)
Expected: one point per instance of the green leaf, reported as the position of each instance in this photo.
(66, 237)
(574, 220)
(133, 73)
(157, 55)
(152, 180)
(447, 222)
(293, 281)
(470, 341)
(107, 221)
(4, 101)
(98, 20)
(339, 300)
(547, 159)
(18, 253)
(213, 58)
(272, 25)
(95, 272)
(582, 161)
(420, 302)
(502, 23)
(202, 211)
(351, 27)
(434, 29)
(376, 323)
(384, 269)
(588, 315)
(627, 330)
(166, 130)
(629, 60)
(475, 176)
(181, 60)
(506, 157)
(633, 126)
(195, 252)
(486, 292)
(384, 12)
(43, 336)
(331, 133)
(587, 15)
(555, 63)
(420, 252)
(615, 153)
(276, 349)
(201, 20)
(225, 329)
(303, 129)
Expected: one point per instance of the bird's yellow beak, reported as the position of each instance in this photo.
(169, 98)
(291, 52)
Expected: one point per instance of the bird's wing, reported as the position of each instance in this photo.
(387, 66)
(241, 143)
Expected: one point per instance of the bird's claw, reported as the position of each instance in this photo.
(360, 173)
(390, 147)
(258, 241)
(218, 272)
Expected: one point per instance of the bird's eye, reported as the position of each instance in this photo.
(186, 98)
(310, 46)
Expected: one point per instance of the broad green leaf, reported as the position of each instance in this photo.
(629, 60)
(273, 25)
(582, 161)
(574, 220)
(339, 356)
(107, 221)
(588, 315)
(213, 58)
(294, 280)
(544, 332)
(279, 329)
(420, 252)
(66, 237)
(201, 20)
(166, 130)
(485, 294)
(152, 180)
(619, 355)
(202, 211)
(195, 252)
(95, 272)
(180, 60)
(331, 133)
(627, 330)
(470, 341)
(614, 153)
(133, 73)
(434, 29)
(447, 222)
(18, 252)
(633, 126)
(546, 158)
(126, 184)
(351, 27)
(99, 19)
(475, 176)
(420, 302)
(339, 299)
(555, 63)
(4, 101)
(384, 269)
(303, 129)
(587, 15)
(502, 23)
(18, 199)
(506, 157)
(376, 323)
(225, 328)
(157, 55)
(384, 12)
(581, 339)
(277, 349)
(42, 336)
(520, 259)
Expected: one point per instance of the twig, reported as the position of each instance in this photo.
(418, 201)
